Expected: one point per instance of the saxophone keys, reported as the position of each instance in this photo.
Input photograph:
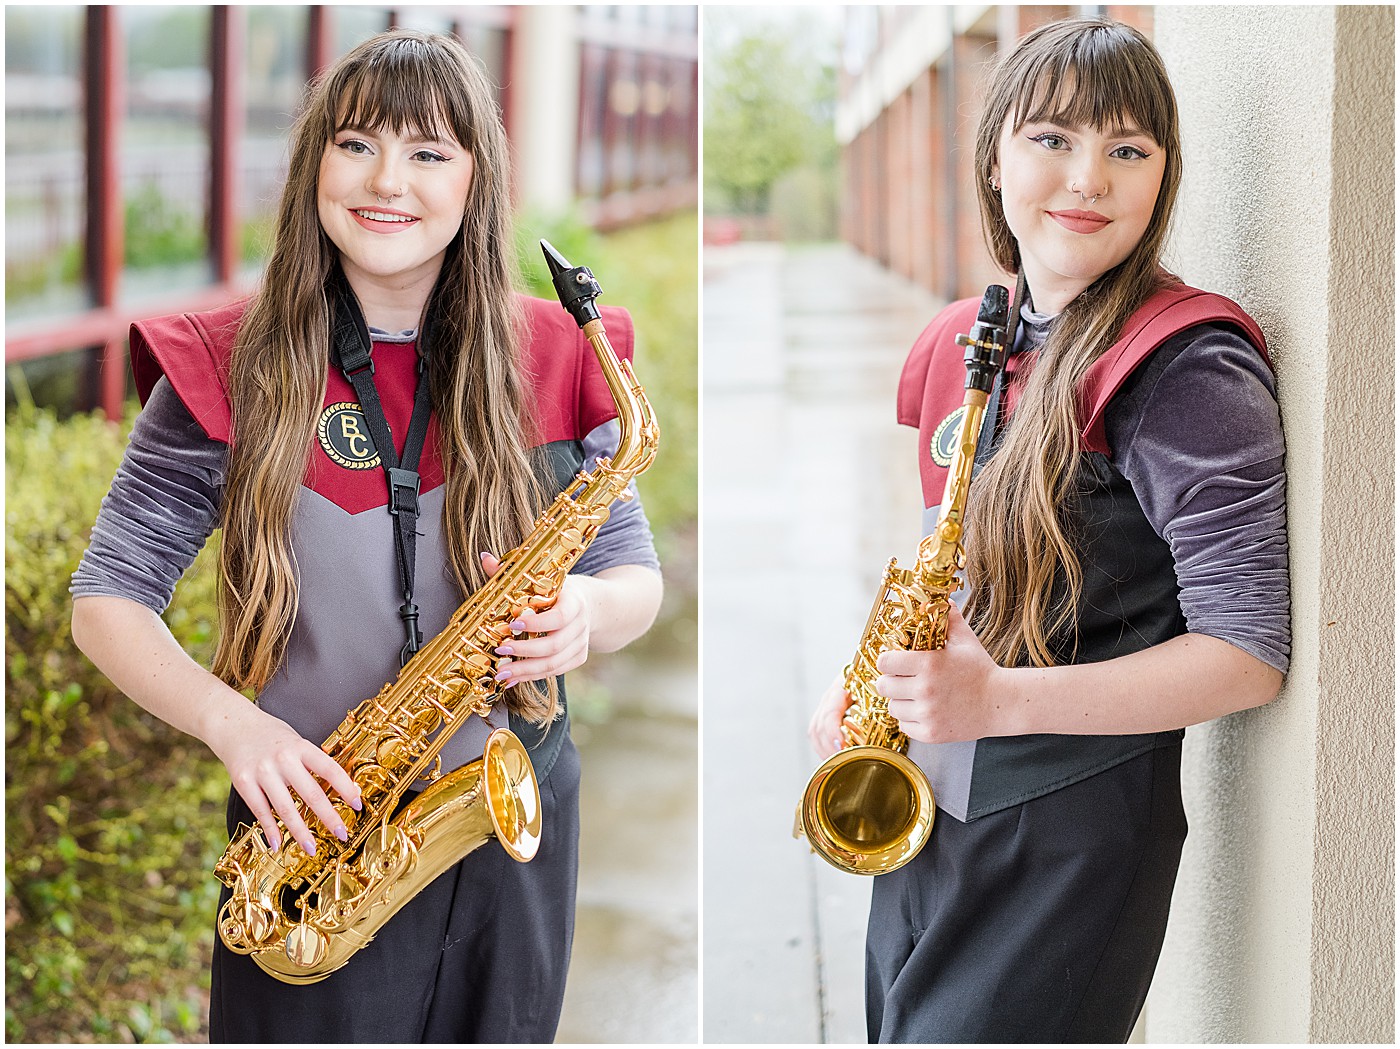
(386, 851)
(476, 664)
(305, 946)
(246, 922)
(482, 707)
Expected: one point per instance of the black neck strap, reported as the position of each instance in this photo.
(351, 352)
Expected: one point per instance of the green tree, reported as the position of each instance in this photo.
(768, 103)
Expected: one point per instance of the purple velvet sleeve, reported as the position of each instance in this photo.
(162, 506)
(1197, 432)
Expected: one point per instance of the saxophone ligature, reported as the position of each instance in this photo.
(868, 809)
(302, 916)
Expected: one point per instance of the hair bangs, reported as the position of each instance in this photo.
(1095, 79)
(401, 88)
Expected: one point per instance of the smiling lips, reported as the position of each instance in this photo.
(383, 220)
(1078, 221)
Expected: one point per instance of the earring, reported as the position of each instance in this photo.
(992, 181)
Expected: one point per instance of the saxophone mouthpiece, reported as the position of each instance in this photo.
(986, 345)
(995, 303)
(575, 285)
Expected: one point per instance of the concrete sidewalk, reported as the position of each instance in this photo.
(809, 488)
(634, 975)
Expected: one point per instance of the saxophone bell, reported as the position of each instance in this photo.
(867, 810)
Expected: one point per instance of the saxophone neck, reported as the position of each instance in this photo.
(940, 553)
(637, 430)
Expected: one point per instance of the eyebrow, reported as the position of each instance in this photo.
(1116, 131)
(419, 139)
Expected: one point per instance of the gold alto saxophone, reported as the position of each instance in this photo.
(868, 808)
(302, 917)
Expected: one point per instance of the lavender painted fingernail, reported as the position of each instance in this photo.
(504, 675)
(342, 834)
(505, 650)
(518, 625)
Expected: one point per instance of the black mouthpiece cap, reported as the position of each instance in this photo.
(995, 305)
(575, 285)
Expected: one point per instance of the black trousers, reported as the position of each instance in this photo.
(480, 955)
(1039, 923)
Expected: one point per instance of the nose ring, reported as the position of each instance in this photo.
(1091, 200)
(392, 196)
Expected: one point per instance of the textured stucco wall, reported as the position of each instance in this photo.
(1283, 916)
(1353, 991)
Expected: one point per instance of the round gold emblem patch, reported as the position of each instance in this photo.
(945, 438)
(345, 438)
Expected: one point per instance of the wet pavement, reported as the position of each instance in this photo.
(809, 488)
(634, 974)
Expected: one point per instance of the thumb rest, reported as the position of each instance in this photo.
(868, 809)
(303, 916)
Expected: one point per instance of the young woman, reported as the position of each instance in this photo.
(1126, 575)
(393, 229)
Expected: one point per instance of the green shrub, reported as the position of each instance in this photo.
(113, 819)
(158, 233)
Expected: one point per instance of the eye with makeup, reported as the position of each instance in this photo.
(359, 148)
(1051, 140)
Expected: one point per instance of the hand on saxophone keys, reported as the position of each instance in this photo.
(824, 730)
(945, 695)
(548, 640)
(592, 613)
(271, 766)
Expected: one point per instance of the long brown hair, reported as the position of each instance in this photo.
(423, 84)
(1024, 578)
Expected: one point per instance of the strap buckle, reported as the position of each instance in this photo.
(354, 359)
(403, 491)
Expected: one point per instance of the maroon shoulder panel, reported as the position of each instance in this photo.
(919, 366)
(1167, 312)
(931, 385)
(931, 390)
(192, 350)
